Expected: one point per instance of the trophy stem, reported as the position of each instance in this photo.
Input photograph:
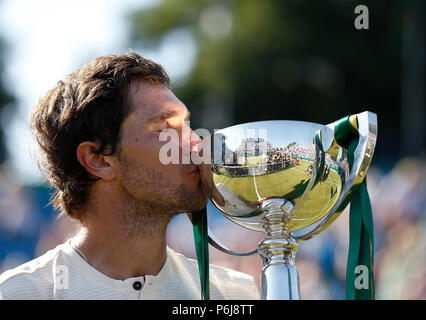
(279, 278)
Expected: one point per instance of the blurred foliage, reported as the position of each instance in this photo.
(5, 99)
(295, 60)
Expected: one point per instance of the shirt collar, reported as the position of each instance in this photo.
(94, 273)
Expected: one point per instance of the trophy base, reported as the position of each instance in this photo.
(279, 278)
(280, 282)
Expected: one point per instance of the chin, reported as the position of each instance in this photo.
(198, 201)
(189, 197)
(192, 207)
(202, 204)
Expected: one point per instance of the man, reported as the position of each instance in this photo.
(99, 133)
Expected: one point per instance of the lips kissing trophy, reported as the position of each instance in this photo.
(291, 180)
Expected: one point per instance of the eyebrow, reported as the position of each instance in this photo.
(167, 115)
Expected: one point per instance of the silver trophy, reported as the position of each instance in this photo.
(288, 179)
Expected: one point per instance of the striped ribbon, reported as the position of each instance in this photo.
(359, 286)
(199, 225)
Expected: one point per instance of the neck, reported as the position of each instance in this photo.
(121, 258)
(122, 243)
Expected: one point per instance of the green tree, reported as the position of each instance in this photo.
(300, 60)
(5, 99)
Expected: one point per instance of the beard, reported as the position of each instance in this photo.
(152, 198)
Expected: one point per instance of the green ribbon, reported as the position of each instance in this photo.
(199, 226)
(361, 248)
(359, 270)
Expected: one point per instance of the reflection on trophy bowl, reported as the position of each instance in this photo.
(289, 179)
(278, 160)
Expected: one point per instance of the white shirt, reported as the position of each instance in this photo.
(62, 274)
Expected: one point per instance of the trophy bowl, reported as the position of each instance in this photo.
(290, 180)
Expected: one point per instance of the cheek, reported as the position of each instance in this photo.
(143, 148)
(145, 156)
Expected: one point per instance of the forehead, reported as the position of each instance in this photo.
(151, 99)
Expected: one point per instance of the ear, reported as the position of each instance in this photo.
(98, 165)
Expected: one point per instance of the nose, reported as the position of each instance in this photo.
(194, 138)
(195, 141)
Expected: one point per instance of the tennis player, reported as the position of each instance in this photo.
(98, 132)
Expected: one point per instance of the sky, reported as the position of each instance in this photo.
(46, 40)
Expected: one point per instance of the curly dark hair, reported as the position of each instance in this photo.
(90, 105)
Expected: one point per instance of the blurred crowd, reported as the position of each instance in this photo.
(29, 227)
